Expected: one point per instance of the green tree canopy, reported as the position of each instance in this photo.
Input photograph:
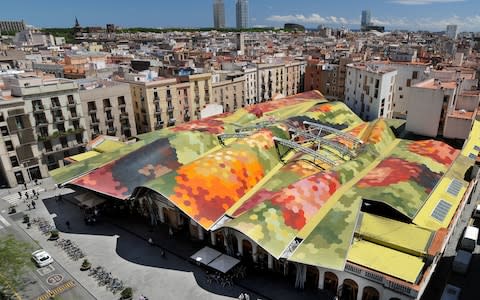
(14, 259)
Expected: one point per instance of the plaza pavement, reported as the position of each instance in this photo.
(120, 246)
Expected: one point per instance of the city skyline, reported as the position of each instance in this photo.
(393, 14)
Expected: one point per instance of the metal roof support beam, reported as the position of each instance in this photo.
(298, 147)
(223, 137)
(344, 150)
(344, 135)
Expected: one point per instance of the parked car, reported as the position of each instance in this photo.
(42, 258)
(461, 262)
(476, 212)
(469, 239)
(451, 292)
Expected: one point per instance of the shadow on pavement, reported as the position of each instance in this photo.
(132, 245)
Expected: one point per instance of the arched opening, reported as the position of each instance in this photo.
(247, 257)
(313, 275)
(348, 290)
(291, 272)
(370, 293)
(330, 283)
(262, 259)
(219, 241)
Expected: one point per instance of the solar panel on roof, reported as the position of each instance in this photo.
(472, 156)
(477, 148)
(441, 210)
(454, 187)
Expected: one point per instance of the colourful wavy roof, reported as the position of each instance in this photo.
(292, 207)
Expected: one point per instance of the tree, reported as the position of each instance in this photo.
(14, 259)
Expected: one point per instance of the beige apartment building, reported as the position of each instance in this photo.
(108, 109)
(229, 93)
(42, 123)
(164, 102)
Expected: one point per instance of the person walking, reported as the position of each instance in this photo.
(68, 224)
(20, 195)
(33, 204)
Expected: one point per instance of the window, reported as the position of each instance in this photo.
(454, 187)
(401, 96)
(472, 156)
(19, 122)
(9, 145)
(4, 131)
(2, 119)
(409, 82)
(441, 210)
(14, 161)
(415, 75)
(400, 88)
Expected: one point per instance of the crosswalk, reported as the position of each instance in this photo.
(14, 198)
(3, 222)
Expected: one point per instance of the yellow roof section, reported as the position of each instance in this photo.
(394, 234)
(424, 217)
(473, 140)
(385, 260)
(108, 146)
(84, 156)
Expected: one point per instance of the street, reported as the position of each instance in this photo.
(40, 283)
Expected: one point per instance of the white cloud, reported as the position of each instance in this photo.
(311, 19)
(423, 2)
(466, 23)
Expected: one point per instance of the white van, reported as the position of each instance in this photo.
(469, 239)
(476, 212)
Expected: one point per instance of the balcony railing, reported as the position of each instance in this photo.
(58, 134)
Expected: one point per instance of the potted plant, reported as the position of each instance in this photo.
(12, 209)
(86, 265)
(54, 235)
(127, 293)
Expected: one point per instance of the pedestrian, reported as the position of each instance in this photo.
(68, 224)
(33, 204)
(247, 296)
(162, 253)
(26, 195)
(150, 241)
(170, 232)
(29, 206)
(241, 297)
(25, 185)
(36, 181)
(20, 195)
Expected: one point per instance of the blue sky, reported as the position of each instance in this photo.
(401, 14)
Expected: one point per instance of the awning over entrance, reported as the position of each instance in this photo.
(224, 263)
(205, 255)
(89, 200)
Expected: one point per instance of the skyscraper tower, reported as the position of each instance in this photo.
(366, 19)
(218, 14)
(242, 14)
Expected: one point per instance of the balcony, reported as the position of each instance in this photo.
(107, 108)
(109, 120)
(122, 105)
(61, 148)
(125, 127)
(111, 130)
(58, 134)
(159, 124)
(158, 112)
(74, 116)
(92, 110)
(94, 122)
(72, 104)
(124, 116)
(156, 99)
(38, 108)
(41, 123)
(170, 108)
(59, 120)
(55, 107)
